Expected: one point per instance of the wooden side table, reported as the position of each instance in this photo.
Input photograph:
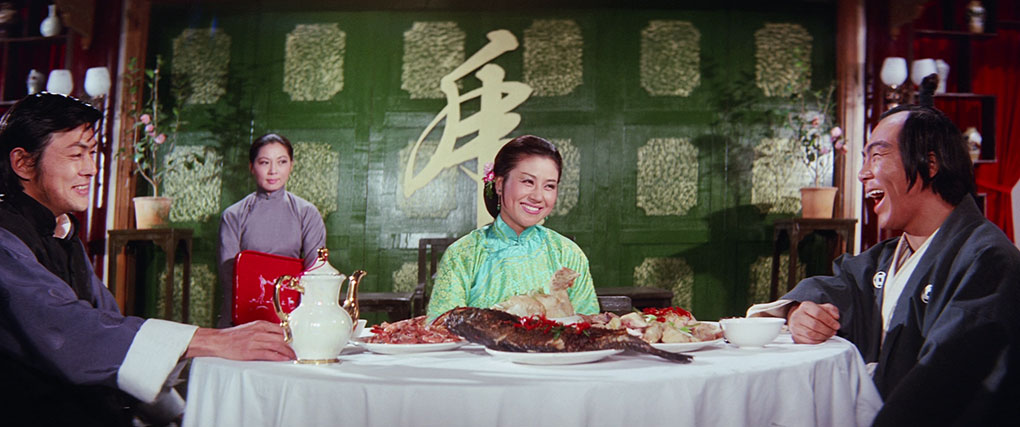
(797, 229)
(169, 240)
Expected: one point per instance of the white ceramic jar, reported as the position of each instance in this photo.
(51, 25)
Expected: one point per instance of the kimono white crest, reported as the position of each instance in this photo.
(878, 280)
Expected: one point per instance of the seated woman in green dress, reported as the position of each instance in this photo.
(514, 255)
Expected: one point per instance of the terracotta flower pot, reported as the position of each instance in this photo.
(152, 212)
(816, 202)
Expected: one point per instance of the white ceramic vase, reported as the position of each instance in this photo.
(51, 25)
(60, 81)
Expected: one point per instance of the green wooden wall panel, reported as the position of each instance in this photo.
(713, 248)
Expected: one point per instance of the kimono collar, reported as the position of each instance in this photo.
(964, 216)
(270, 195)
(503, 231)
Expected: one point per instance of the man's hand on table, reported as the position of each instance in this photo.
(258, 340)
(812, 323)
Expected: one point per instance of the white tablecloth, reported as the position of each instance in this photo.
(783, 384)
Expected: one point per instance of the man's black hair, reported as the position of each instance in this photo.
(30, 125)
(928, 131)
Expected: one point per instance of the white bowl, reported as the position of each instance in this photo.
(359, 329)
(751, 331)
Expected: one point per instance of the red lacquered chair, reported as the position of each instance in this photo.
(255, 275)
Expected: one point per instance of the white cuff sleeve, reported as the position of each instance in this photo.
(152, 357)
(771, 309)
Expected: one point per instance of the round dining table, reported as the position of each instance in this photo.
(781, 384)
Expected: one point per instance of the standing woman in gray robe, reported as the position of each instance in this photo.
(270, 220)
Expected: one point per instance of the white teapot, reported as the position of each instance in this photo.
(319, 327)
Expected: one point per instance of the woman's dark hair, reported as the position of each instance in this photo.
(269, 138)
(30, 125)
(927, 130)
(511, 154)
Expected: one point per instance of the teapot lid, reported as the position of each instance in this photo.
(322, 266)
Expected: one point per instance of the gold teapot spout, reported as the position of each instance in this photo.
(351, 303)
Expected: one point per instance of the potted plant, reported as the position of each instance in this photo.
(816, 137)
(154, 135)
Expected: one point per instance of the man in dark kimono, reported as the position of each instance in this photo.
(67, 355)
(934, 312)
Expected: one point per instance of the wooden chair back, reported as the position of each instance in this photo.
(619, 304)
(430, 250)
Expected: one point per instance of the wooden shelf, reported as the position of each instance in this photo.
(943, 34)
(24, 49)
(959, 95)
(21, 54)
(32, 39)
(1009, 24)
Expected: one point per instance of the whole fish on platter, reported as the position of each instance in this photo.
(503, 331)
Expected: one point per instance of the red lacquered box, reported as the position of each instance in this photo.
(255, 275)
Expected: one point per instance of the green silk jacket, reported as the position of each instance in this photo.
(491, 264)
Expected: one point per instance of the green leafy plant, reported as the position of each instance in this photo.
(156, 126)
(812, 123)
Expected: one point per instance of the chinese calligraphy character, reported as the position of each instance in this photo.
(490, 124)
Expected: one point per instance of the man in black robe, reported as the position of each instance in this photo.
(67, 355)
(934, 312)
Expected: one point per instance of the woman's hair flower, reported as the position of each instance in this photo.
(145, 118)
(488, 174)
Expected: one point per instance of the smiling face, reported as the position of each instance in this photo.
(885, 179)
(528, 193)
(59, 179)
(272, 167)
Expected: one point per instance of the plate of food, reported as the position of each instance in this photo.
(563, 358)
(682, 347)
(407, 348)
(670, 329)
(409, 336)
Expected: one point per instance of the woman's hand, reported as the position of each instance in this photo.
(812, 323)
(258, 340)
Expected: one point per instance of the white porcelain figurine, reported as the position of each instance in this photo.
(36, 82)
(976, 16)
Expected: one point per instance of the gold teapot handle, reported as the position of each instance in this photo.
(351, 302)
(289, 282)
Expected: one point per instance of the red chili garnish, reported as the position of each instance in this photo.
(541, 323)
(660, 313)
(580, 327)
